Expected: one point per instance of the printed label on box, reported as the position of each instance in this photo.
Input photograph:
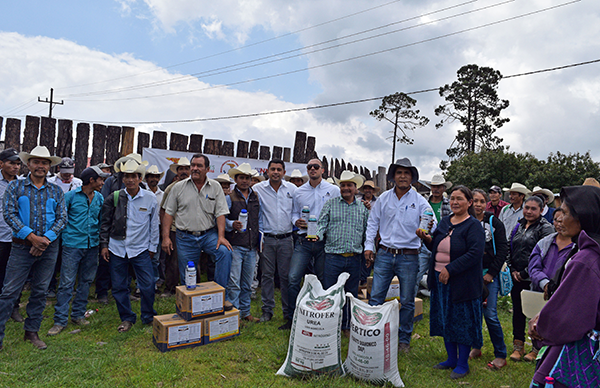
(221, 328)
(185, 333)
(207, 303)
(393, 292)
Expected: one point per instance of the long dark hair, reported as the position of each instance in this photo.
(468, 195)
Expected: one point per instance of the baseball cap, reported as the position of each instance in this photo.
(93, 172)
(495, 188)
(67, 165)
(9, 154)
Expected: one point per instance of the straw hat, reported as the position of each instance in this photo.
(153, 170)
(296, 174)
(372, 185)
(538, 190)
(185, 162)
(243, 169)
(257, 175)
(519, 188)
(224, 178)
(350, 176)
(133, 156)
(132, 167)
(40, 152)
(331, 180)
(591, 182)
(438, 179)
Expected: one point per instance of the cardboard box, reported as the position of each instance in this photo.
(393, 290)
(221, 327)
(206, 300)
(170, 332)
(418, 309)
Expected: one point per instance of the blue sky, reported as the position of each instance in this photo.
(132, 42)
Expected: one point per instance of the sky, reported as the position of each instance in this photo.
(151, 61)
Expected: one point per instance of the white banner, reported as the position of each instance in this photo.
(218, 164)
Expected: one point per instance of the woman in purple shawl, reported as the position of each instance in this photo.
(567, 322)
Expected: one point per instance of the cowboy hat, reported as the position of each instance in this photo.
(331, 180)
(538, 190)
(132, 167)
(153, 170)
(243, 169)
(518, 188)
(296, 174)
(350, 176)
(438, 179)
(40, 152)
(223, 178)
(371, 184)
(404, 162)
(257, 175)
(185, 162)
(591, 182)
(132, 156)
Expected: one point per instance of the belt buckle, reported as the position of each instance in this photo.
(197, 234)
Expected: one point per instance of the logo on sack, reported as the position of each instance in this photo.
(319, 305)
(366, 318)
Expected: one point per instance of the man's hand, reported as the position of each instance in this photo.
(223, 241)
(301, 223)
(533, 333)
(104, 254)
(487, 278)
(151, 254)
(367, 204)
(444, 276)
(35, 252)
(370, 258)
(546, 292)
(41, 243)
(237, 225)
(167, 245)
(516, 276)
(313, 239)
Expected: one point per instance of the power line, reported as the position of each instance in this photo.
(237, 66)
(324, 105)
(346, 59)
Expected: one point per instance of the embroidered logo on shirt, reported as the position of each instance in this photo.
(413, 206)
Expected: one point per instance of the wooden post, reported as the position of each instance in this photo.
(300, 147)
(287, 154)
(310, 149)
(253, 153)
(381, 179)
(31, 133)
(98, 144)
(242, 149)
(342, 166)
(227, 148)
(159, 140)
(143, 142)
(212, 146)
(178, 142)
(277, 152)
(338, 168)
(325, 167)
(1, 121)
(127, 137)
(196, 143)
(265, 153)
(332, 168)
(48, 133)
(82, 142)
(349, 167)
(355, 170)
(64, 143)
(367, 174)
(12, 137)
(113, 138)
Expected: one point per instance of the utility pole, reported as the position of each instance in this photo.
(51, 102)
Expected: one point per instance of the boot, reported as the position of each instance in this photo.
(531, 356)
(32, 336)
(16, 316)
(518, 350)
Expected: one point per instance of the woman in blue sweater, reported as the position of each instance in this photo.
(456, 286)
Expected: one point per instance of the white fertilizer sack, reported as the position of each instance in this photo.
(315, 343)
(373, 347)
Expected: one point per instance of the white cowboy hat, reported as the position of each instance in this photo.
(40, 152)
(257, 175)
(331, 180)
(296, 174)
(132, 167)
(350, 176)
(519, 188)
(133, 156)
(538, 190)
(182, 162)
(153, 170)
(224, 178)
(372, 185)
(243, 169)
(438, 179)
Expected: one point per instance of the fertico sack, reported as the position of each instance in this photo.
(373, 347)
(315, 343)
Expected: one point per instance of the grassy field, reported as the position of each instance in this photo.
(99, 356)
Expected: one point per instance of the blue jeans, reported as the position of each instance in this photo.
(119, 274)
(304, 252)
(490, 313)
(336, 264)
(243, 262)
(405, 267)
(189, 248)
(17, 272)
(77, 264)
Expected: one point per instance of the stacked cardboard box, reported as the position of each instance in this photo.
(200, 319)
(393, 293)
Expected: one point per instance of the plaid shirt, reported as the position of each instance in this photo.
(28, 209)
(344, 225)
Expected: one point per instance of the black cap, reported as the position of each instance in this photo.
(9, 154)
(92, 172)
(495, 188)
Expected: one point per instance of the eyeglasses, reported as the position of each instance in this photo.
(313, 166)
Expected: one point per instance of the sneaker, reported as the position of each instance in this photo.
(54, 330)
(286, 326)
(80, 322)
(266, 317)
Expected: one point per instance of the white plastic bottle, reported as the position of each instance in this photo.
(305, 213)
(425, 220)
(190, 276)
(312, 227)
(243, 218)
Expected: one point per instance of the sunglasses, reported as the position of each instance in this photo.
(313, 166)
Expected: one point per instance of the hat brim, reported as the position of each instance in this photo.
(392, 172)
(174, 167)
(377, 189)
(357, 180)
(151, 173)
(303, 177)
(54, 160)
(549, 194)
(235, 171)
(518, 190)
(221, 180)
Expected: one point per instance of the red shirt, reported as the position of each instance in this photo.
(495, 209)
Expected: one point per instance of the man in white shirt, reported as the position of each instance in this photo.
(64, 178)
(153, 176)
(511, 214)
(276, 199)
(396, 215)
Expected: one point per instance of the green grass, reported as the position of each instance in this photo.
(99, 356)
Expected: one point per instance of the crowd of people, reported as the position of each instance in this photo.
(244, 229)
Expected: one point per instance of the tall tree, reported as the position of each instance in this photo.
(398, 110)
(473, 100)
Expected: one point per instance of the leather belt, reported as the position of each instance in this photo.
(278, 236)
(22, 242)
(197, 234)
(401, 251)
